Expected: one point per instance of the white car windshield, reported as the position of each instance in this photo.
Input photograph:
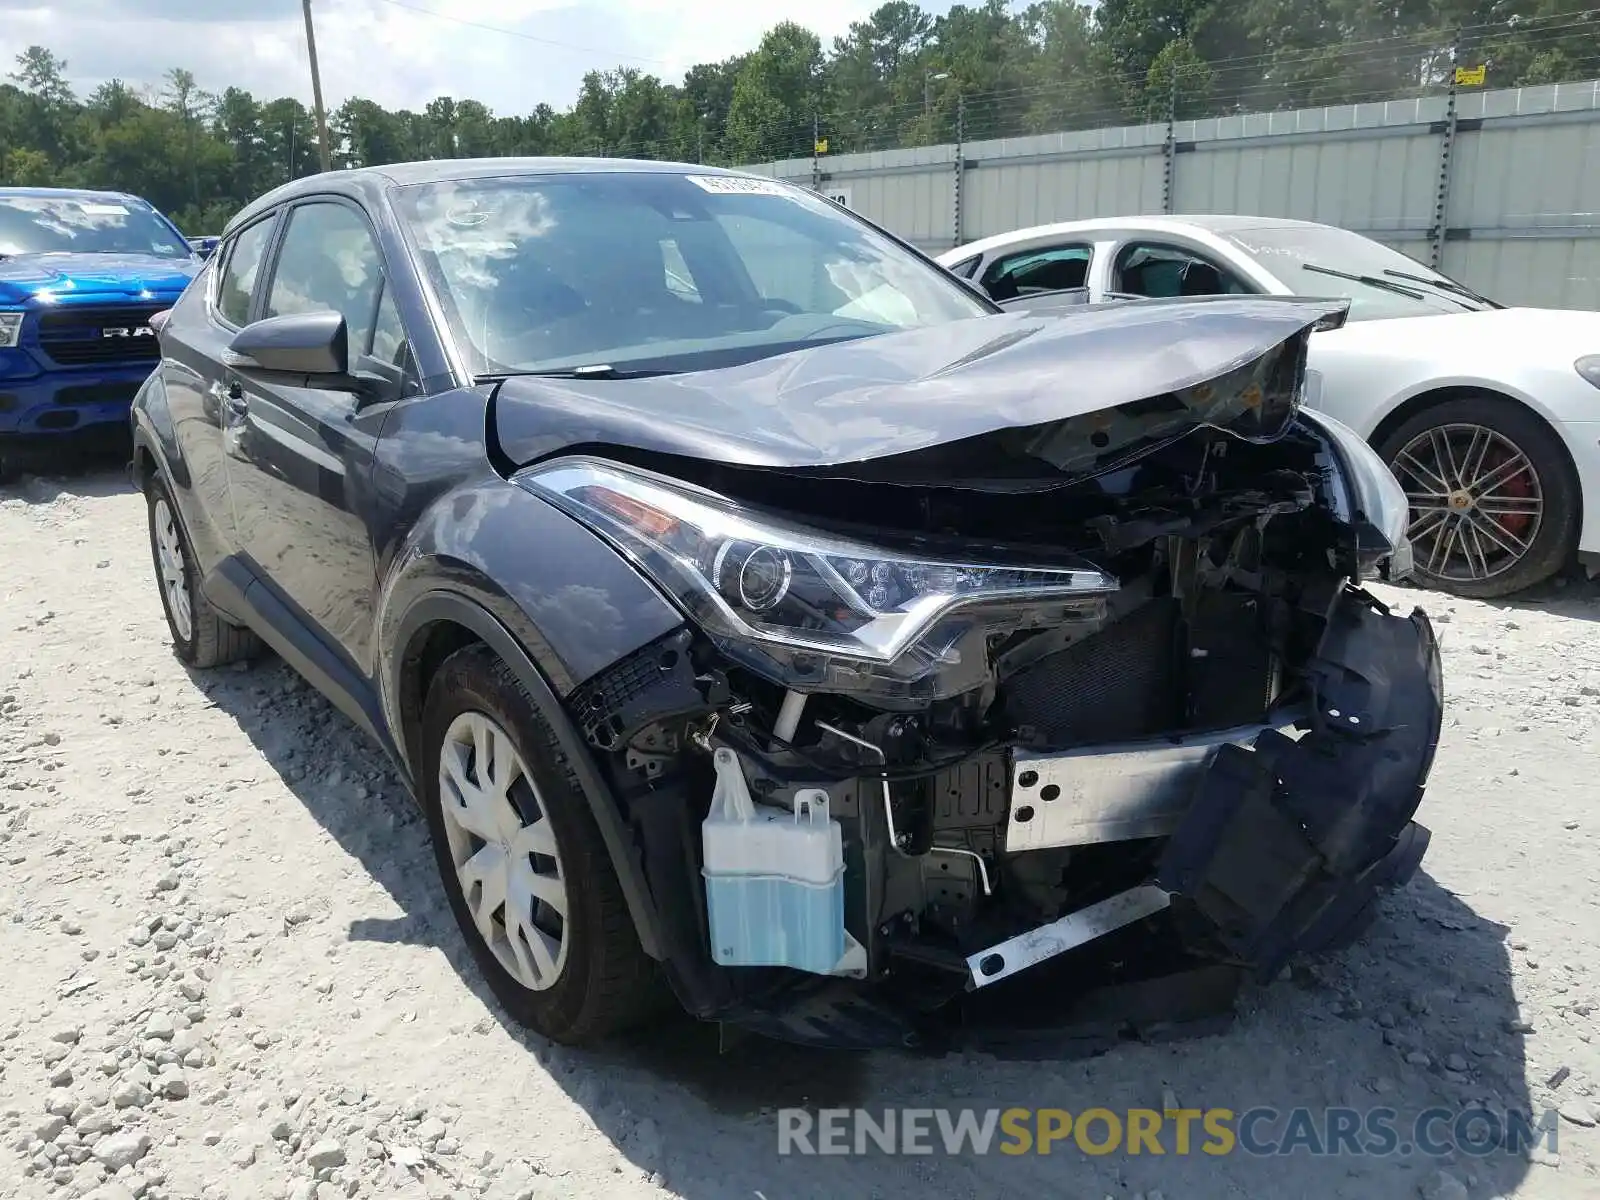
(659, 271)
(1320, 260)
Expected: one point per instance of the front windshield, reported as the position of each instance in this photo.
(660, 271)
(1301, 257)
(84, 225)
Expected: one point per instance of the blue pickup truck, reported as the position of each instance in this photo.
(81, 274)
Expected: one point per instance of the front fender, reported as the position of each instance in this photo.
(153, 432)
(442, 606)
(572, 602)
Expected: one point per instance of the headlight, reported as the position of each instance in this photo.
(1376, 502)
(807, 608)
(1589, 367)
(10, 328)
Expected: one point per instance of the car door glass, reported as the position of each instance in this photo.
(680, 280)
(329, 261)
(388, 335)
(966, 266)
(389, 343)
(1041, 269)
(1152, 269)
(794, 272)
(238, 282)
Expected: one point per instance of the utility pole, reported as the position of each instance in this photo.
(316, 91)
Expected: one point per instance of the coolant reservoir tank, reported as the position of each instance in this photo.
(774, 879)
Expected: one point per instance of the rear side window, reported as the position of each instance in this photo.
(239, 273)
(329, 260)
(1043, 269)
(1151, 269)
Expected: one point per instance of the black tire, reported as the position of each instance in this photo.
(607, 982)
(1553, 544)
(210, 640)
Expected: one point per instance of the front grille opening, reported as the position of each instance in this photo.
(63, 418)
(75, 337)
(1153, 673)
(1122, 683)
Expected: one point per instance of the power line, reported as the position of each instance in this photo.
(517, 33)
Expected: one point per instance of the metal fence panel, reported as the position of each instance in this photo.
(1516, 214)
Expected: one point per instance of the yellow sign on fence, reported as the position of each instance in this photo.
(1471, 76)
(822, 145)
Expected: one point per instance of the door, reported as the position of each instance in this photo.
(197, 332)
(300, 464)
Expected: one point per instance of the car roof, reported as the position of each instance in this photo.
(1213, 223)
(368, 182)
(52, 193)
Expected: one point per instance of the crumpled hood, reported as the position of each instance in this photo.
(25, 277)
(899, 393)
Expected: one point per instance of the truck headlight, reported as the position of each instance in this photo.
(799, 604)
(10, 328)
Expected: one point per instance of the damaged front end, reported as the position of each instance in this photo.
(1080, 704)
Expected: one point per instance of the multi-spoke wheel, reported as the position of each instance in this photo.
(1493, 496)
(525, 869)
(200, 636)
(504, 849)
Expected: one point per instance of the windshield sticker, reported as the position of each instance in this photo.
(104, 210)
(737, 185)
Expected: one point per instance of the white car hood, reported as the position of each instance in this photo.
(1537, 336)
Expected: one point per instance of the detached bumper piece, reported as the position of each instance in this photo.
(1285, 846)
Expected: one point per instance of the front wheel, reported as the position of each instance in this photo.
(1494, 498)
(528, 877)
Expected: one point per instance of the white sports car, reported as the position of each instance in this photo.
(1489, 416)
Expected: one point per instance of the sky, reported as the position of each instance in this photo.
(403, 53)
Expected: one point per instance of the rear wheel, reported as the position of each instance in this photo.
(1494, 498)
(200, 637)
(524, 867)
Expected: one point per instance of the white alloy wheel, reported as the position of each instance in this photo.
(174, 584)
(504, 850)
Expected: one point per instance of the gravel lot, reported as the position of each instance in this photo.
(228, 969)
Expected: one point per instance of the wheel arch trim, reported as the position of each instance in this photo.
(442, 606)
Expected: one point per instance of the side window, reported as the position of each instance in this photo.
(966, 266)
(680, 280)
(794, 273)
(239, 272)
(328, 261)
(1043, 269)
(388, 335)
(782, 264)
(389, 344)
(1151, 269)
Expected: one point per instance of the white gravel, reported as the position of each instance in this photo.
(226, 968)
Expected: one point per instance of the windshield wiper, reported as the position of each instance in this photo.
(1373, 281)
(1444, 285)
(595, 371)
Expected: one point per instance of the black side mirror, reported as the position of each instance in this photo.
(311, 343)
(204, 247)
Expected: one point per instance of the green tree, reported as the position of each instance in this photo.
(775, 98)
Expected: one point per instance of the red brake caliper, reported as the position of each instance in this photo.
(1518, 486)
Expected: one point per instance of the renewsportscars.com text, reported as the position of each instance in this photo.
(1260, 1131)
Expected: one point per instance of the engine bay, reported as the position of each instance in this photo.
(1027, 791)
